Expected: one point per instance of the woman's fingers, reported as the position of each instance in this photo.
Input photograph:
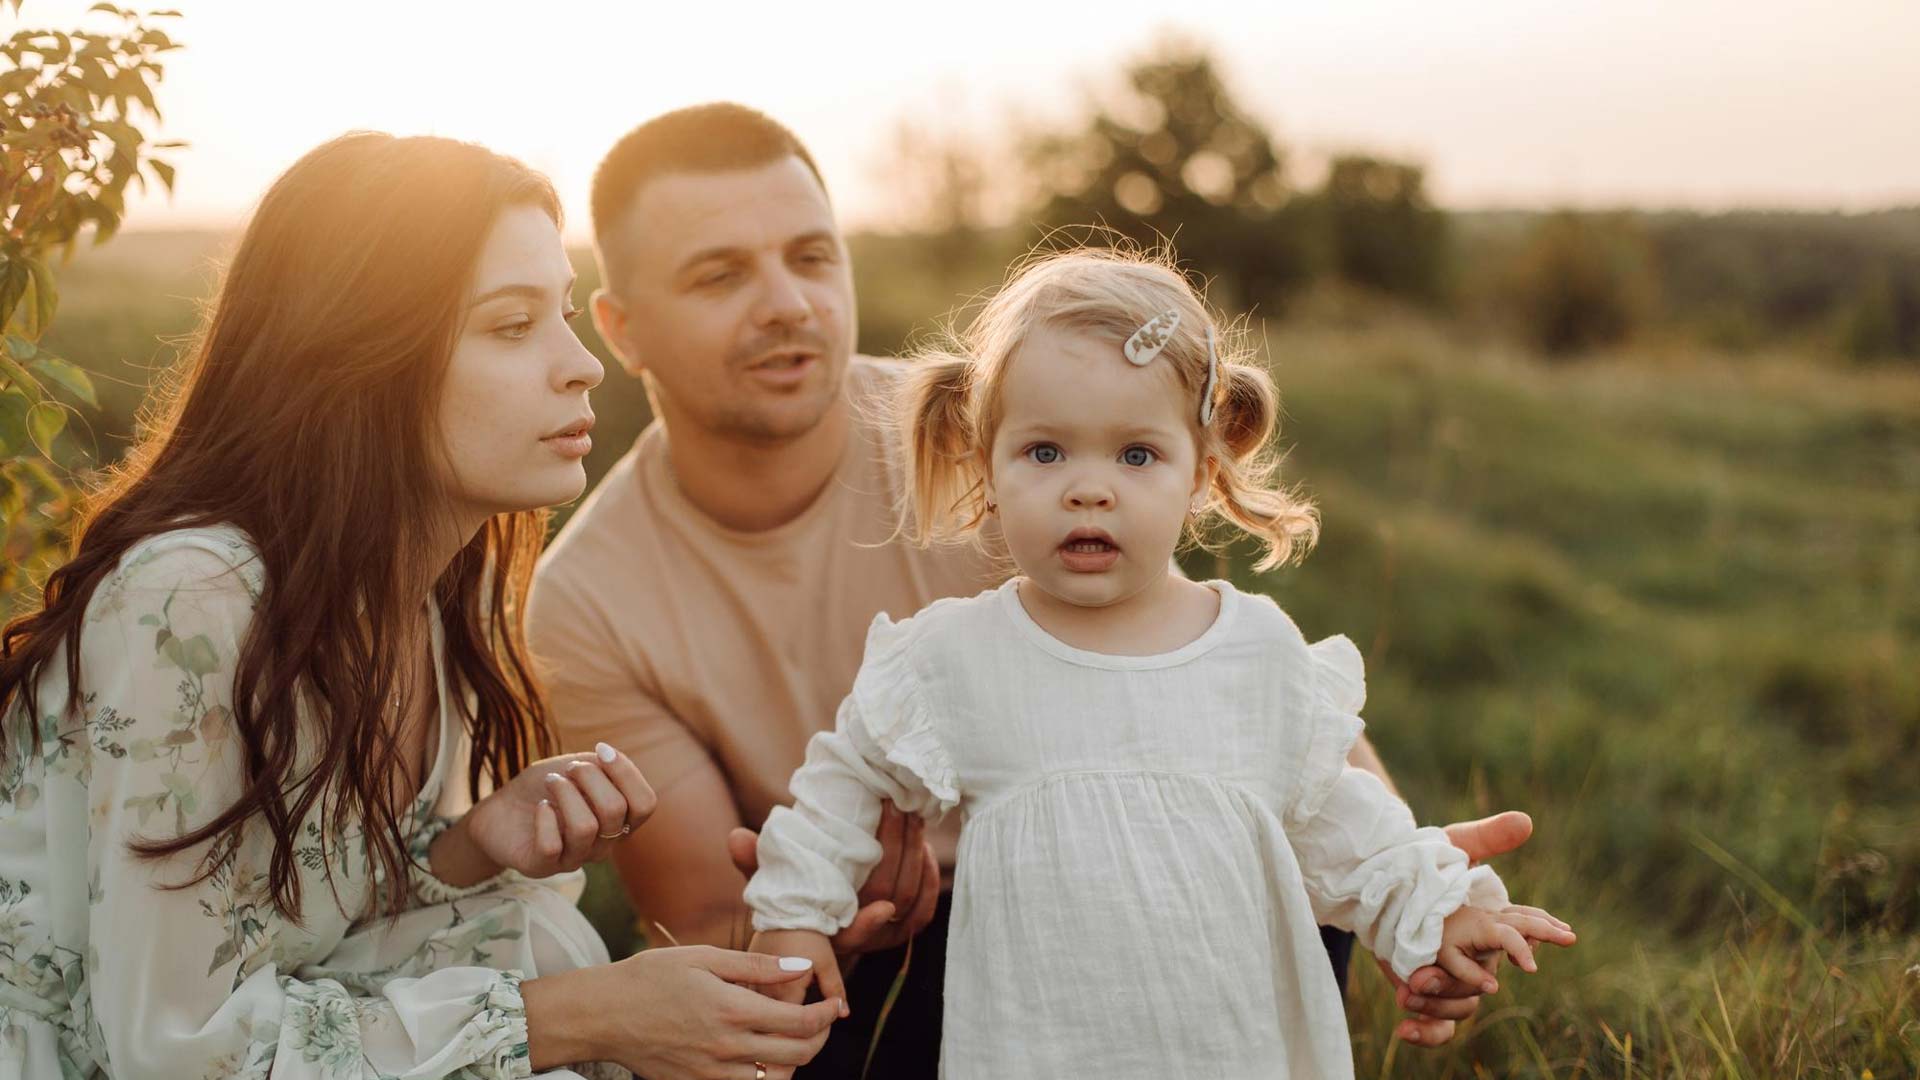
(632, 783)
(777, 1050)
(608, 805)
(579, 828)
(546, 831)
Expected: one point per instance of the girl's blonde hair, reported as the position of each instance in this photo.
(949, 409)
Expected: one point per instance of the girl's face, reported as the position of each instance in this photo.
(1093, 469)
(513, 412)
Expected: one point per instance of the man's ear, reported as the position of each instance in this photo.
(610, 319)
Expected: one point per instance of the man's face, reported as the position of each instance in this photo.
(735, 294)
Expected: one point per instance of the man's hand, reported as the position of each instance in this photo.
(907, 880)
(1437, 999)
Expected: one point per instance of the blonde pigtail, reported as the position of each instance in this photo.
(944, 492)
(1244, 493)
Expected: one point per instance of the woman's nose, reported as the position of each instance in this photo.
(579, 369)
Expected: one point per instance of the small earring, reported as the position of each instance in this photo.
(993, 507)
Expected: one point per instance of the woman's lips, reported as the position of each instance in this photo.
(572, 441)
(573, 446)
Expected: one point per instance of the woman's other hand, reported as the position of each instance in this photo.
(557, 815)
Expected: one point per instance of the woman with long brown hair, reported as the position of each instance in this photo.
(277, 794)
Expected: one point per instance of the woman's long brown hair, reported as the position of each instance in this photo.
(305, 415)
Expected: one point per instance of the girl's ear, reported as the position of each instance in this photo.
(1203, 476)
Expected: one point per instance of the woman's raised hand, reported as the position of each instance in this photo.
(561, 813)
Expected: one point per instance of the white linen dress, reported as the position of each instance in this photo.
(1149, 842)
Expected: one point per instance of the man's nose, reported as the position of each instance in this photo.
(782, 300)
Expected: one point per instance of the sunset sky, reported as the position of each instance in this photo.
(1697, 104)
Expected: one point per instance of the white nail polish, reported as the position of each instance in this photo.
(795, 963)
(605, 752)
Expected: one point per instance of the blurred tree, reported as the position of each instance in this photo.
(68, 151)
(1581, 281)
(1178, 158)
(1383, 232)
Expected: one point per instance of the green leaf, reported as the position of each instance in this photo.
(162, 172)
(46, 295)
(45, 421)
(68, 375)
(13, 285)
(20, 348)
(17, 376)
(14, 406)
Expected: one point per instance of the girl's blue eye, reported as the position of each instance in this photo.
(1044, 454)
(1138, 456)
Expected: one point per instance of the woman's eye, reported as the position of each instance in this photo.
(1044, 454)
(1138, 456)
(516, 331)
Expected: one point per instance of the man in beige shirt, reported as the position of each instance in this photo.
(706, 608)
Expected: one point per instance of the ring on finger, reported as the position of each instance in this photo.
(624, 830)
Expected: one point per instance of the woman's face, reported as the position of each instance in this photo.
(513, 410)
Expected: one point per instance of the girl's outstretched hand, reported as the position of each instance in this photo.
(1513, 930)
(557, 815)
(793, 946)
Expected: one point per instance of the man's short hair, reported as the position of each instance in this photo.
(716, 137)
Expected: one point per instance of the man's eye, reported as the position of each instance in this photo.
(720, 278)
(1044, 454)
(1138, 456)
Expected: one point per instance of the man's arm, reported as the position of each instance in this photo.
(677, 871)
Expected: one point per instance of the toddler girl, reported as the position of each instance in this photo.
(1152, 771)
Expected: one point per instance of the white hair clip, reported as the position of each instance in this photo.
(1213, 375)
(1153, 335)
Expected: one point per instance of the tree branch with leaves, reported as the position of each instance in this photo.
(72, 107)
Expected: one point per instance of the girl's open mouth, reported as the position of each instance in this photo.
(1088, 551)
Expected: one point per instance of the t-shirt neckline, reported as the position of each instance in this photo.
(1046, 642)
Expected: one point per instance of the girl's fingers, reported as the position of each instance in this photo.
(608, 805)
(578, 827)
(546, 831)
(1516, 947)
(1462, 967)
(631, 782)
(1537, 929)
(1540, 913)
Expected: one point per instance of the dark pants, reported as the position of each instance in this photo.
(910, 1046)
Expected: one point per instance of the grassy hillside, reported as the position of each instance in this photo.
(1668, 603)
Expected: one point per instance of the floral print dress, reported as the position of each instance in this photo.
(106, 972)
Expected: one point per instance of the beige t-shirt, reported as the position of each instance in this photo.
(680, 641)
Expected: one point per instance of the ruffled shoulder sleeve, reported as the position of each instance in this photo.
(892, 709)
(1338, 691)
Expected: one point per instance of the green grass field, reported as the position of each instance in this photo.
(1668, 603)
